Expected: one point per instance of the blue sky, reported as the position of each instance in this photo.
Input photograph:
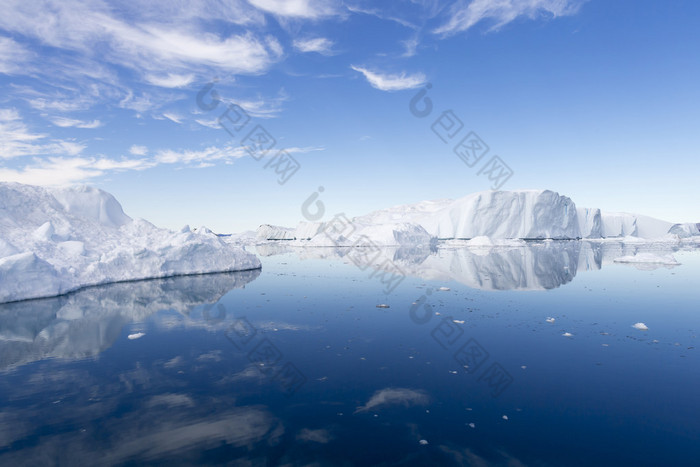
(597, 100)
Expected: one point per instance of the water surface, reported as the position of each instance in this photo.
(296, 364)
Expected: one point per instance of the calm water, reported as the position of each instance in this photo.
(296, 364)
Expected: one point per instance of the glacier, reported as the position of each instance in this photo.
(57, 240)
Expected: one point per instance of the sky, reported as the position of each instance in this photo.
(235, 113)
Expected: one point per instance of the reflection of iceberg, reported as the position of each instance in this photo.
(537, 265)
(86, 322)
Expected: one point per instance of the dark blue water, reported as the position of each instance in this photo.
(296, 364)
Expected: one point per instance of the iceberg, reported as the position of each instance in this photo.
(485, 217)
(56, 240)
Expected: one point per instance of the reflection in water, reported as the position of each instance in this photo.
(537, 265)
(85, 323)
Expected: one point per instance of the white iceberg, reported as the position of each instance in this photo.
(56, 240)
(483, 219)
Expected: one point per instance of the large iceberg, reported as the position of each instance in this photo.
(522, 214)
(55, 240)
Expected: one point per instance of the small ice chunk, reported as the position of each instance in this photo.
(382, 305)
(443, 289)
(473, 425)
(136, 335)
(505, 417)
(567, 334)
(550, 319)
(458, 321)
(423, 442)
(640, 326)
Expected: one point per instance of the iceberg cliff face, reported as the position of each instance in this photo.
(620, 224)
(55, 240)
(590, 222)
(685, 230)
(530, 214)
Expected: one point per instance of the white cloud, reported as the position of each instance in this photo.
(391, 82)
(13, 57)
(137, 150)
(67, 170)
(213, 123)
(153, 45)
(319, 45)
(464, 15)
(410, 46)
(364, 10)
(70, 122)
(137, 103)
(261, 107)
(171, 80)
(173, 117)
(16, 140)
(309, 9)
(61, 104)
(213, 153)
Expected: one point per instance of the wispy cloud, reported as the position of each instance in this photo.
(211, 123)
(165, 52)
(70, 122)
(463, 15)
(170, 80)
(13, 56)
(210, 154)
(262, 107)
(17, 140)
(319, 45)
(68, 170)
(173, 117)
(137, 150)
(309, 9)
(410, 46)
(391, 82)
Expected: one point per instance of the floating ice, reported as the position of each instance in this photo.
(550, 320)
(640, 326)
(383, 305)
(136, 335)
(567, 334)
(651, 258)
(443, 289)
(423, 442)
(458, 321)
(56, 240)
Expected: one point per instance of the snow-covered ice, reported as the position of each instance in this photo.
(56, 240)
(640, 326)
